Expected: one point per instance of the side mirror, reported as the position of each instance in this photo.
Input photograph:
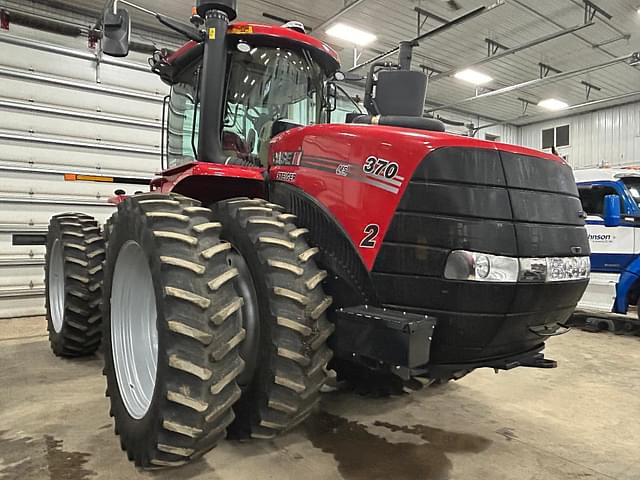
(611, 211)
(332, 97)
(116, 32)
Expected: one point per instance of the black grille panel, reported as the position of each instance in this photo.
(484, 201)
(551, 240)
(452, 233)
(457, 199)
(412, 260)
(475, 166)
(543, 207)
(533, 173)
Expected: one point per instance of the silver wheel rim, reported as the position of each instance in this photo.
(250, 317)
(56, 286)
(134, 333)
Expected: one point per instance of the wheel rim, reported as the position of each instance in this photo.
(250, 317)
(56, 286)
(134, 333)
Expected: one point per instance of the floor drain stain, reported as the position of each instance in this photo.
(361, 455)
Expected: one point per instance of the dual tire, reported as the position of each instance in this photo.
(214, 324)
(283, 383)
(172, 330)
(73, 277)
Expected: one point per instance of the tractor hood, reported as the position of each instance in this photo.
(408, 199)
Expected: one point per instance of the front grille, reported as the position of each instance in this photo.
(482, 201)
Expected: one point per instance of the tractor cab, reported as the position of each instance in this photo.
(276, 79)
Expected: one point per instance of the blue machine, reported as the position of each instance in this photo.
(611, 200)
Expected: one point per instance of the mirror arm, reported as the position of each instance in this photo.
(175, 25)
(182, 28)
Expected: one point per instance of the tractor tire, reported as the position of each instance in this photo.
(289, 332)
(172, 329)
(73, 283)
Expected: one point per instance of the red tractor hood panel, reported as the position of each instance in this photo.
(360, 172)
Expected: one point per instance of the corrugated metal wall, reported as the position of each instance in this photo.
(61, 112)
(610, 136)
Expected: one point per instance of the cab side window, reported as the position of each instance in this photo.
(182, 136)
(592, 198)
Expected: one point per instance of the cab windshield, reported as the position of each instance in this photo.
(269, 88)
(633, 185)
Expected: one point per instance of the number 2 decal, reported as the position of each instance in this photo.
(371, 234)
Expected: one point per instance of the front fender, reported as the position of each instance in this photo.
(213, 182)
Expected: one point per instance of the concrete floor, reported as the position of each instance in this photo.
(581, 421)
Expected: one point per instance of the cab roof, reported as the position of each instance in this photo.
(322, 52)
(605, 174)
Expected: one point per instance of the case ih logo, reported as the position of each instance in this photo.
(593, 237)
(287, 159)
(343, 170)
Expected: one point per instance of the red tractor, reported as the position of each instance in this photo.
(276, 246)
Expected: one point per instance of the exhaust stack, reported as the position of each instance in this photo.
(217, 15)
(405, 56)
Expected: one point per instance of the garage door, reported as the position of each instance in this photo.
(72, 131)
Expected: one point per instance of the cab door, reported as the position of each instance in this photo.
(612, 248)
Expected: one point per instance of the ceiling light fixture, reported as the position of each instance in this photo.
(553, 104)
(351, 34)
(473, 77)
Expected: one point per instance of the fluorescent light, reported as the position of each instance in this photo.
(473, 77)
(553, 104)
(351, 34)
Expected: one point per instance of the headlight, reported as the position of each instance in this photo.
(463, 265)
(481, 267)
(562, 269)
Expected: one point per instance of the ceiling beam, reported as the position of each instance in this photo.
(337, 15)
(512, 51)
(551, 20)
(542, 117)
(427, 14)
(541, 81)
(455, 22)
(603, 18)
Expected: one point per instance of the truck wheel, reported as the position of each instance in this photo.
(73, 282)
(287, 328)
(172, 329)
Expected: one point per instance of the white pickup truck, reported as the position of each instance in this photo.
(611, 199)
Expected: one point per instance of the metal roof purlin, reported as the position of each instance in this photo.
(539, 81)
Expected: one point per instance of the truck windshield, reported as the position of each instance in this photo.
(267, 85)
(633, 185)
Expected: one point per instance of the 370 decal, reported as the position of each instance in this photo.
(381, 168)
